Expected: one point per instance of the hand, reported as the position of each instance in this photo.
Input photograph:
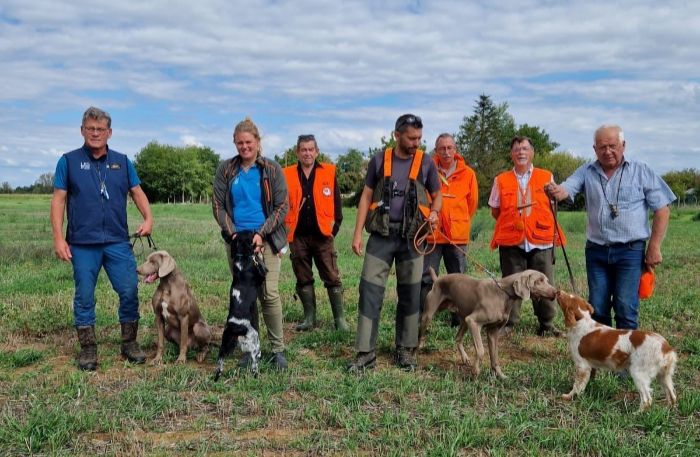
(433, 219)
(653, 256)
(146, 228)
(257, 243)
(555, 192)
(62, 250)
(357, 244)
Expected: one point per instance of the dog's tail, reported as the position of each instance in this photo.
(665, 375)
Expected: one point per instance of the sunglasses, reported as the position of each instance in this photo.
(410, 120)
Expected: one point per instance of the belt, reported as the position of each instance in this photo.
(395, 228)
(628, 244)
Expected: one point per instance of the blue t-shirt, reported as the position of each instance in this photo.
(247, 200)
(59, 178)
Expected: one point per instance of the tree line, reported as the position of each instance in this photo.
(184, 174)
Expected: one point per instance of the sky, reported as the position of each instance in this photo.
(185, 72)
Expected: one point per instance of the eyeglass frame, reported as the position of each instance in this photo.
(100, 130)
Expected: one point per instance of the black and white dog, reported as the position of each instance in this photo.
(242, 323)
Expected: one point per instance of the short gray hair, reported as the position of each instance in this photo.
(445, 135)
(620, 133)
(97, 114)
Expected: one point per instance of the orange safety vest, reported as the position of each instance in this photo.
(460, 199)
(525, 214)
(323, 195)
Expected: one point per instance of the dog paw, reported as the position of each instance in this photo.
(201, 356)
(567, 397)
(156, 361)
(181, 360)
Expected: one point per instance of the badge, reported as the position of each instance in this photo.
(114, 166)
(519, 226)
(327, 191)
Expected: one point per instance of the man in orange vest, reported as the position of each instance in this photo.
(460, 199)
(525, 231)
(313, 220)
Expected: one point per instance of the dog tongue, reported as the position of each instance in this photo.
(150, 278)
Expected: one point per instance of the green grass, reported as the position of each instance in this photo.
(48, 407)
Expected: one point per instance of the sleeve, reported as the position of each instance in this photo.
(432, 180)
(473, 197)
(218, 203)
(371, 177)
(280, 199)
(60, 177)
(656, 192)
(495, 197)
(133, 176)
(574, 184)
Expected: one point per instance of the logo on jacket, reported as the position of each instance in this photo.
(327, 191)
(84, 165)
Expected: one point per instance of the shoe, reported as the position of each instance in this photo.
(245, 361)
(543, 329)
(279, 361)
(308, 301)
(363, 361)
(505, 331)
(130, 348)
(406, 358)
(87, 358)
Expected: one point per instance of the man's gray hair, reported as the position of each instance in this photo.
(445, 135)
(620, 133)
(97, 114)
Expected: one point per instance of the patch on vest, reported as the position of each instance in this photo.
(114, 166)
(327, 191)
(84, 165)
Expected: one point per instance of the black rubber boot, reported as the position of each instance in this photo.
(335, 296)
(87, 358)
(130, 348)
(307, 295)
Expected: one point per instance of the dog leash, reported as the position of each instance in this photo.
(557, 233)
(137, 237)
(419, 240)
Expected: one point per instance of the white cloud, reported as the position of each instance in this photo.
(180, 72)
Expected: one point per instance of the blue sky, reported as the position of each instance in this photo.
(183, 72)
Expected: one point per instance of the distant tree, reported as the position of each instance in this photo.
(484, 141)
(685, 184)
(5, 188)
(540, 139)
(43, 184)
(351, 169)
(175, 173)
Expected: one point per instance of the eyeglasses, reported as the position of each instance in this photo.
(410, 120)
(99, 130)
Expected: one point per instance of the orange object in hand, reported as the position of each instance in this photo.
(646, 283)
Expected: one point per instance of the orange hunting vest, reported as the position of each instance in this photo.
(460, 198)
(323, 195)
(525, 214)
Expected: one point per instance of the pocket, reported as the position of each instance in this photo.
(459, 227)
(630, 196)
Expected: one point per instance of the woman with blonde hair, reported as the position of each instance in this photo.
(250, 193)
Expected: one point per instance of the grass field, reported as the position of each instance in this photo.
(48, 407)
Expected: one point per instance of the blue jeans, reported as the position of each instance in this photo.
(613, 281)
(119, 263)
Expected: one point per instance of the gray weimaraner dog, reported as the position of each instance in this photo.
(177, 317)
(481, 303)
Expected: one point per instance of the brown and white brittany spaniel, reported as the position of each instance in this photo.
(593, 345)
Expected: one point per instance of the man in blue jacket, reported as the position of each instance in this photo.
(91, 185)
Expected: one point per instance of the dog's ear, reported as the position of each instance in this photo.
(433, 276)
(521, 286)
(167, 264)
(569, 316)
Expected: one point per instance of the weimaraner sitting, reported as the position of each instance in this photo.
(176, 314)
(481, 303)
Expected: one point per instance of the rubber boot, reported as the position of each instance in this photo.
(307, 295)
(130, 348)
(87, 358)
(335, 296)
